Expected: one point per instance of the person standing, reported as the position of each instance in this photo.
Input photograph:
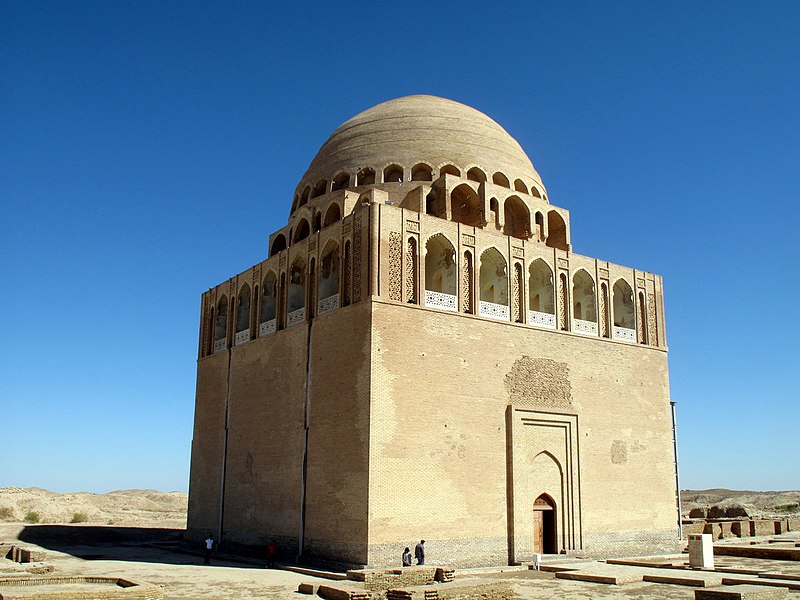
(419, 552)
(209, 548)
(272, 550)
(407, 557)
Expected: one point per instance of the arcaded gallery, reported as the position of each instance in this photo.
(422, 355)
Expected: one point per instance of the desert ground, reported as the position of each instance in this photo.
(136, 534)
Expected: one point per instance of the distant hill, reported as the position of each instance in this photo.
(766, 504)
(122, 507)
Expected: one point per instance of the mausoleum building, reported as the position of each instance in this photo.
(422, 355)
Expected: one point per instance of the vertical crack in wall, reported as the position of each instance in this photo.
(302, 532)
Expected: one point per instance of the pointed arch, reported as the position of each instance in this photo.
(332, 215)
(476, 174)
(500, 179)
(340, 181)
(329, 277)
(296, 301)
(243, 313)
(221, 324)
(393, 174)
(421, 172)
(269, 303)
(450, 170)
(304, 196)
(278, 244)
(494, 285)
(584, 301)
(365, 176)
(535, 192)
(556, 231)
(541, 296)
(466, 207)
(320, 188)
(624, 310)
(517, 218)
(302, 231)
(440, 273)
(520, 186)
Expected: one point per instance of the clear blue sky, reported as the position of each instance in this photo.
(147, 149)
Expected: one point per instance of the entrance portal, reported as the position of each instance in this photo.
(544, 525)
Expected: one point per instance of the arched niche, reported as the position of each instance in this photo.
(520, 186)
(476, 174)
(584, 300)
(393, 174)
(440, 273)
(278, 244)
(329, 272)
(341, 181)
(624, 309)
(365, 176)
(541, 294)
(556, 231)
(517, 218)
(332, 215)
(221, 324)
(302, 231)
(500, 179)
(297, 288)
(466, 207)
(304, 196)
(493, 283)
(243, 310)
(450, 170)
(319, 188)
(269, 298)
(422, 172)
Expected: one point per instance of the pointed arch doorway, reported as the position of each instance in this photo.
(544, 525)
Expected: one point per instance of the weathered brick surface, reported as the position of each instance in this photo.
(108, 588)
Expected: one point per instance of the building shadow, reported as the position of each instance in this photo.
(133, 544)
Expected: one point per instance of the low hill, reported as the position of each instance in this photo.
(122, 508)
(755, 504)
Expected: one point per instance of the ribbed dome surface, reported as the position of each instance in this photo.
(421, 129)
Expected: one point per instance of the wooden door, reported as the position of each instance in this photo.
(538, 532)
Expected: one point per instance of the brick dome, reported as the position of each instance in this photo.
(421, 129)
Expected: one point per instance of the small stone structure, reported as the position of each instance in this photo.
(78, 588)
(701, 551)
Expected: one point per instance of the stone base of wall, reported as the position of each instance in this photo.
(630, 543)
(483, 590)
(463, 552)
(108, 588)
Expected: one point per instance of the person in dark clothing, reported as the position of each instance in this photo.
(419, 552)
(407, 557)
(272, 551)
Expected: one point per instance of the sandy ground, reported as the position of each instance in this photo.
(136, 534)
(184, 577)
